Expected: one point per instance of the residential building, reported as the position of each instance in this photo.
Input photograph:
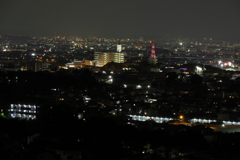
(23, 111)
(102, 58)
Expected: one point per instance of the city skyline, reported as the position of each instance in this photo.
(121, 19)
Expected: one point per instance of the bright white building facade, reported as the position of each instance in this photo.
(102, 58)
(23, 111)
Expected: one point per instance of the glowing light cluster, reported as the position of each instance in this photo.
(23, 111)
(195, 120)
(165, 119)
(145, 118)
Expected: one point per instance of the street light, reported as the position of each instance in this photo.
(181, 117)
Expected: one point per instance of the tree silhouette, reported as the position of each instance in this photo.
(196, 79)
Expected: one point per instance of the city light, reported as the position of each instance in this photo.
(138, 86)
(175, 75)
(23, 111)
(199, 70)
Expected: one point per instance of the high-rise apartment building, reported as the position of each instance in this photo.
(102, 58)
(119, 48)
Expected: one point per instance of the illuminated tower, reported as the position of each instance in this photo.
(119, 46)
(153, 59)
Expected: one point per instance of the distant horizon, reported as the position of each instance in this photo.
(149, 37)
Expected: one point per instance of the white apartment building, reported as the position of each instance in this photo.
(23, 111)
(102, 58)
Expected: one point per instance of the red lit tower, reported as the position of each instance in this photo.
(153, 50)
(153, 59)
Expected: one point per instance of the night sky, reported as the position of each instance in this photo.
(121, 18)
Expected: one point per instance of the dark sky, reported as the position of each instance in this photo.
(121, 18)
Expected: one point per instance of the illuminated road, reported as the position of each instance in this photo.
(226, 126)
(166, 119)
